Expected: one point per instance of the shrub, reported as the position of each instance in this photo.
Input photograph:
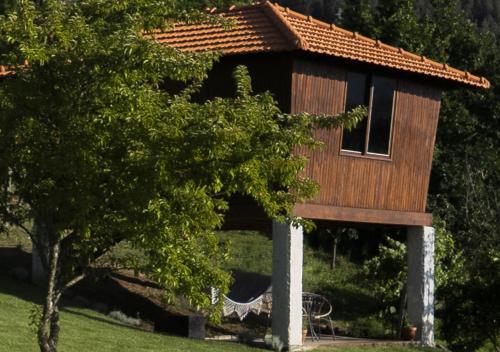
(122, 317)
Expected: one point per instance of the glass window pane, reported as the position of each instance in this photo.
(356, 95)
(381, 115)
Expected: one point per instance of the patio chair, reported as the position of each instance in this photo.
(317, 310)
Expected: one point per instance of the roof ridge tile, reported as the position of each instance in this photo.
(447, 70)
(274, 11)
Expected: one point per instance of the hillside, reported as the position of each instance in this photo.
(86, 330)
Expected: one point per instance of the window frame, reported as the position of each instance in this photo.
(365, 153)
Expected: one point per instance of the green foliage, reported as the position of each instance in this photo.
(6, 5)
(34, 318)
(96, 148)
(98, 152)
(464, 187)
(368, 327)
(449, 258)
(486, 14)
(124, 255)
(387, 271)
(86, 330)
(386, 275)
(465, 179)
(472, 306)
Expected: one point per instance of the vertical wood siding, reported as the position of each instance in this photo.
(348, 181)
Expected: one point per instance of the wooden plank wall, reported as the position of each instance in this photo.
(348, 181)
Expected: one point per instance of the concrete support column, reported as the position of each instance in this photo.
(287, 286)
(420, 285)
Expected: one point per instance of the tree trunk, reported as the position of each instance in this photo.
(402, 310)
(48, 331)
(40, 238)
(334, 254)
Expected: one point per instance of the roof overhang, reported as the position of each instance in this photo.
(268, 27)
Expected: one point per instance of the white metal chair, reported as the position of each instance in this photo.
(317, 309)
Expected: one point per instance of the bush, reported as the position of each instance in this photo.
(122, 317)
(368, 327)
(471, 313)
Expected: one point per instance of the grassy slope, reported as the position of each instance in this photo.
(15, 239)
(85, 330)
(376, 349)
(252, 251)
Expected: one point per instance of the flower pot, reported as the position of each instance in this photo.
(304, 334)
(409, 333)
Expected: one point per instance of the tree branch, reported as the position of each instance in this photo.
(70, 283)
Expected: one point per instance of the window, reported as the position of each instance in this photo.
(373, 134)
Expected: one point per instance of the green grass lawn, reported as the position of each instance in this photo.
(375, 349)
(84, 330)
(15, 238)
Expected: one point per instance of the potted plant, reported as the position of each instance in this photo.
(305, 327)
(408, 330)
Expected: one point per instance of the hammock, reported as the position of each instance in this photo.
(249, 293)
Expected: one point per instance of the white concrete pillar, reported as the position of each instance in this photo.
(287, 286)
(420, 284)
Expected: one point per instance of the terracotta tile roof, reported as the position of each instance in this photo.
(268, 27)
(255, 30)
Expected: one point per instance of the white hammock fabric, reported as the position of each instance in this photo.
(261, 304)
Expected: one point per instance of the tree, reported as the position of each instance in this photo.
(93, 151)
(6, 5)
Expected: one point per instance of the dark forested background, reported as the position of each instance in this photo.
(485, 13)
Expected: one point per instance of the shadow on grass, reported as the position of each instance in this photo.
(107, 291)
(34, 294)
(110, 292)
(11, 257)
(72, 311)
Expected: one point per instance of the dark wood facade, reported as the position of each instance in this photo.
(353, 188)
(392, 185)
